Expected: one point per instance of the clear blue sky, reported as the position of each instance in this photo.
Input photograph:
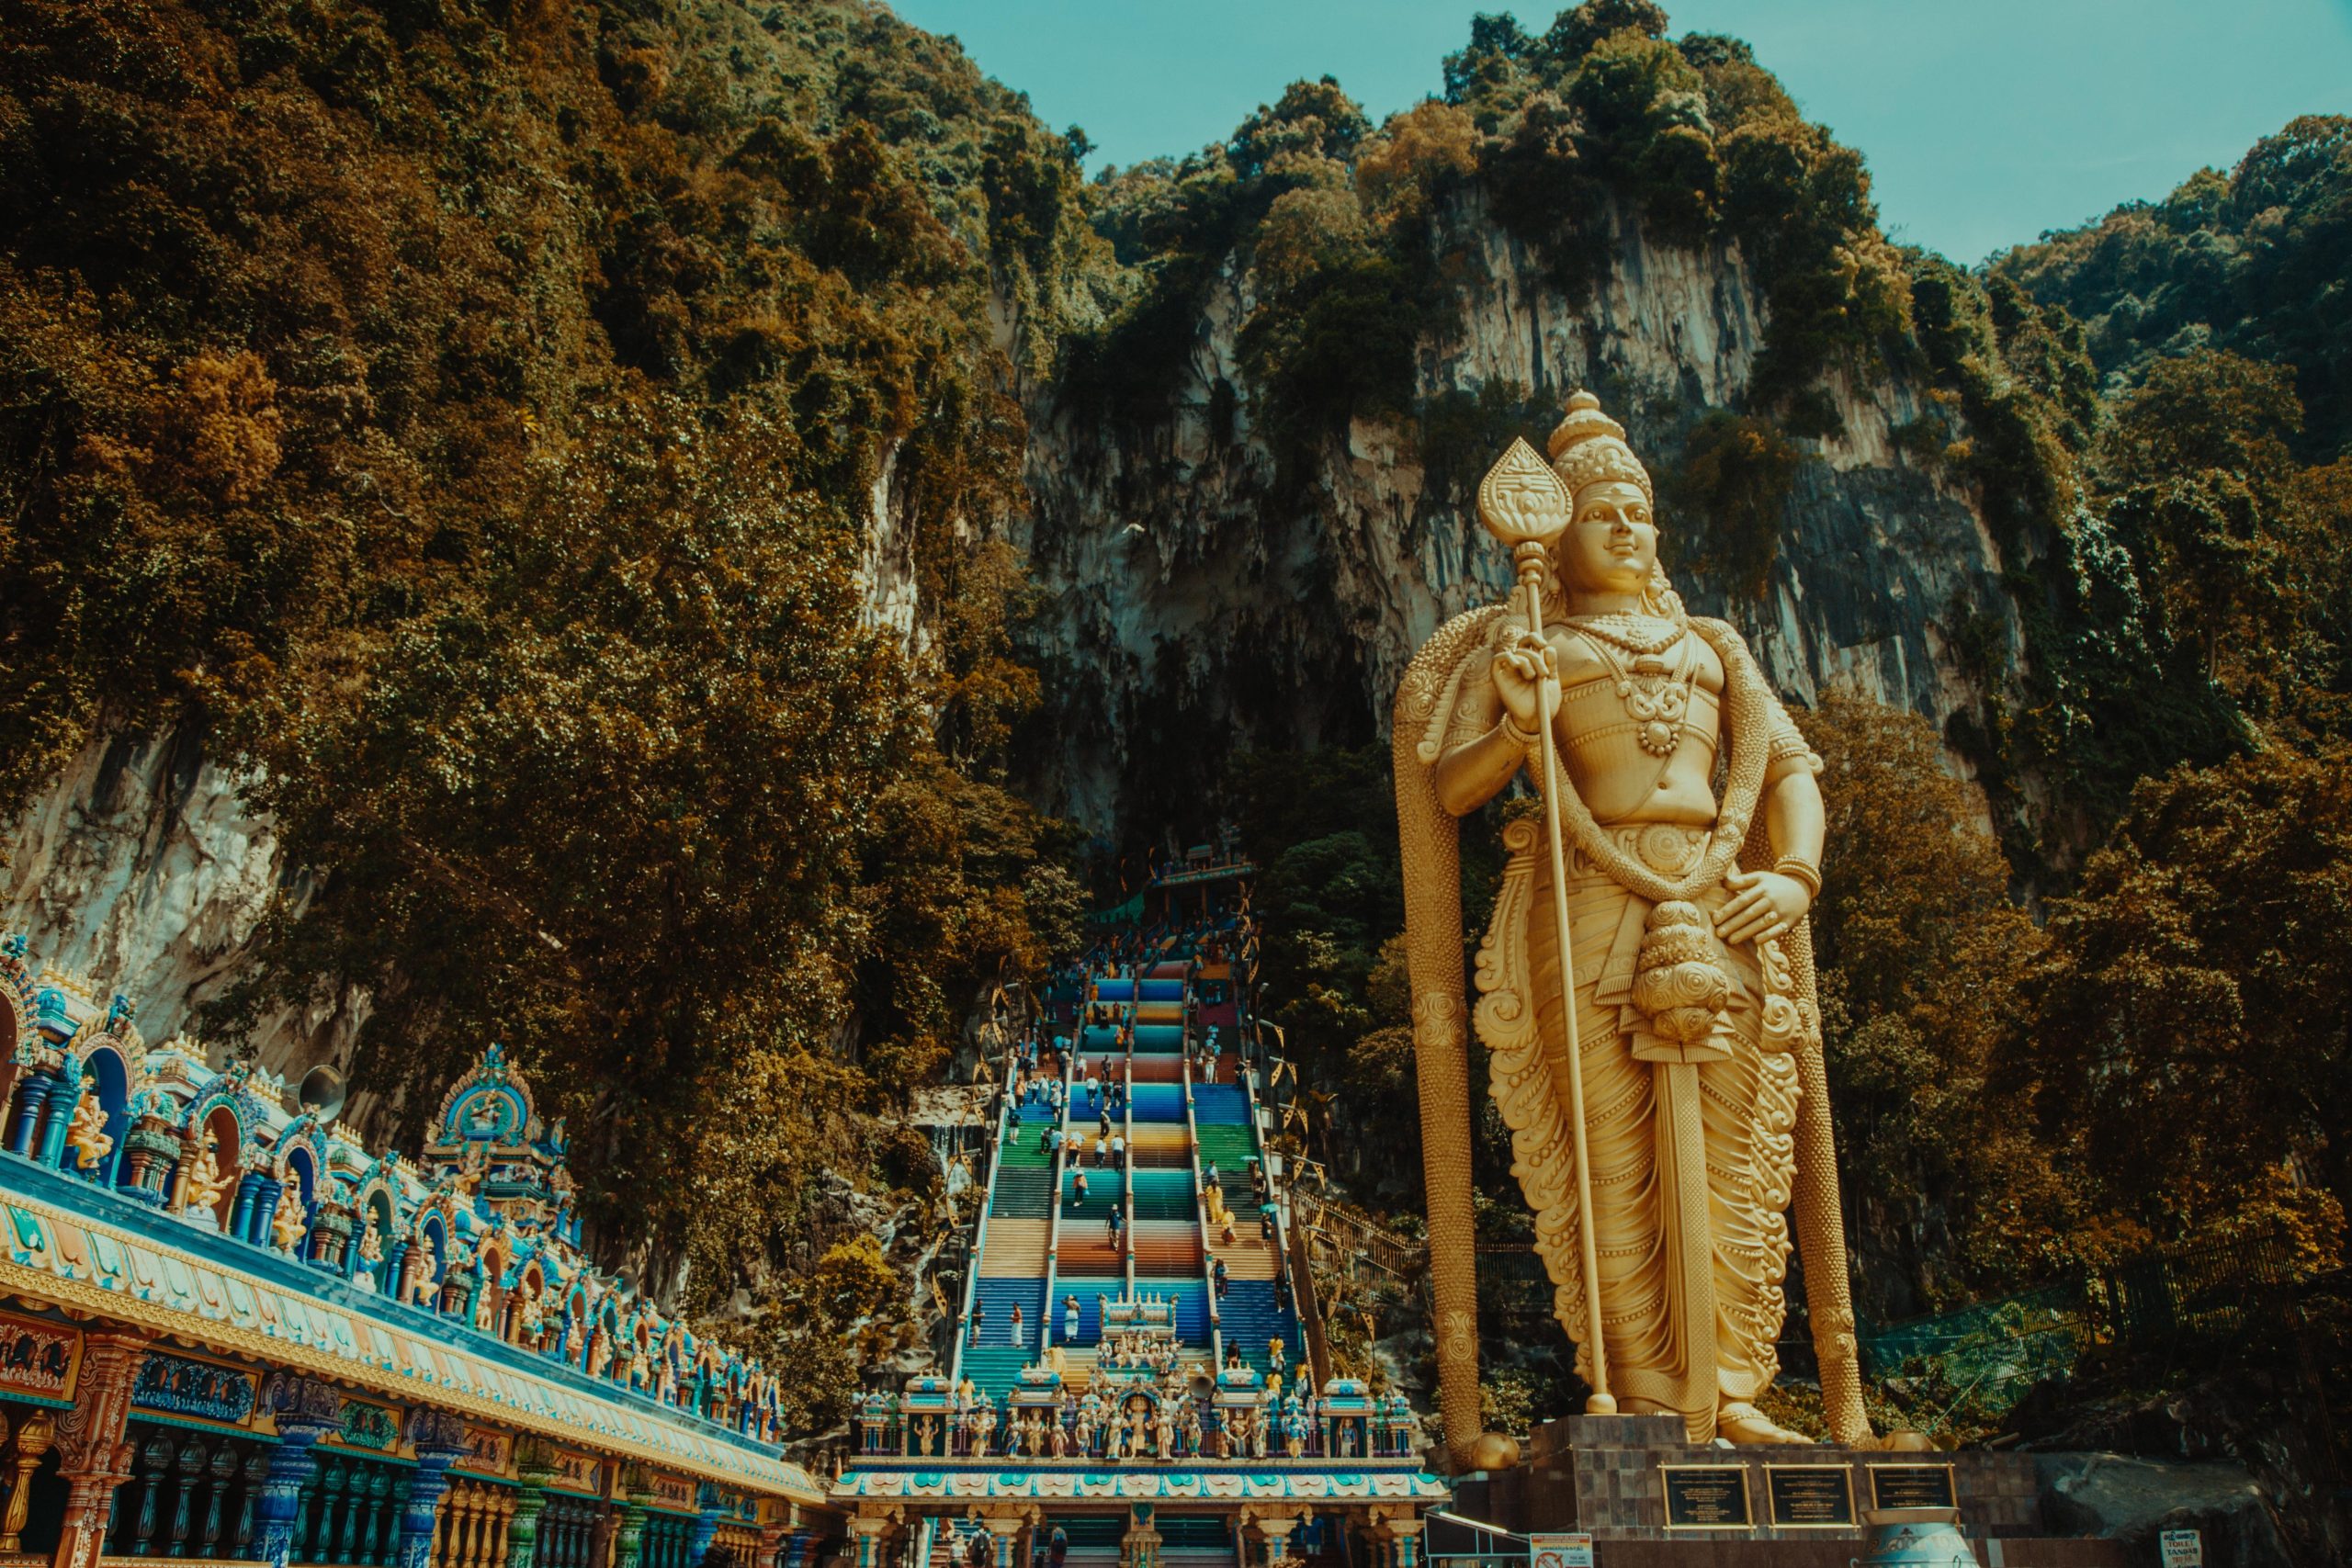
(1984, 121)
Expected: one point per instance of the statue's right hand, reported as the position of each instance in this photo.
(1519, 671)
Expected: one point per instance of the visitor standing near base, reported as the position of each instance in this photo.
(1016, 1326)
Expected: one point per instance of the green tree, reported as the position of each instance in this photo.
(1919, 950)
(2183, 1035)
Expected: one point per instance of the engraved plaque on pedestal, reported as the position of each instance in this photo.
(1912, 1486)
(1706, 1497)
(1810, 1496)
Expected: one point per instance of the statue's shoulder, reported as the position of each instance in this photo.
(1725, 638)
(1426, 695)
(1438, 665)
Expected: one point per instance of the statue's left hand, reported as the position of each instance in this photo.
(1764, 904)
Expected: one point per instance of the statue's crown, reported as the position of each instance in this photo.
(1588, 448)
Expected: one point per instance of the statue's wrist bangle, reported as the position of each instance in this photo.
(1797, 869)
(1524, 736)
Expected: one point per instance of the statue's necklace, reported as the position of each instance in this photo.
(1655, 694)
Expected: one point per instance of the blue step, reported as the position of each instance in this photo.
(1159, 1102)
(1115, 990)
(1220, 1102)
(1163, 1039)
(997, 1298)
(1163, 990)
(1090, 1309)
(1249, 1315)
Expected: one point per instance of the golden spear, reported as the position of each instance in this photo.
(1524, 504)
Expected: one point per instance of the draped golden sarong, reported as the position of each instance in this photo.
(1691, 1150)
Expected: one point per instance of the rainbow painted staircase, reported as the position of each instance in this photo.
(1040, 1243)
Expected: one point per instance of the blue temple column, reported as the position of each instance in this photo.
(267, 1195)
(62, 1098)
(866, 1529)
(241, 1213)
(307, 1411)
(705, 1530)
(440, 1440)
(31, 1100)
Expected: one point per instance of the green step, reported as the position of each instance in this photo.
(1021, 1195)
(994, 1369)
(1228, 1147)
(1163, 1195)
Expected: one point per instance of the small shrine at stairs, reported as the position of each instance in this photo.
(230, 1332)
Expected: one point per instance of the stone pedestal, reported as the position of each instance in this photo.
(1611, 1476)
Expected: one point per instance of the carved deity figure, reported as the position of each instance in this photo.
(1686, 824)
(205, 1182)
(286, 1225)
(87, 1134)
(371, 1244)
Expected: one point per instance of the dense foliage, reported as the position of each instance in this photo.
(2256, 261)
(472, 417)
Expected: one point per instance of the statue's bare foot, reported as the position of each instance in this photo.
(1743, 1423)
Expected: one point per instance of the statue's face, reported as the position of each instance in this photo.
(1611, 542)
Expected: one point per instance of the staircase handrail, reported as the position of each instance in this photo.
(981, 1231)
(1201, 1221)
(1054, 1217)
(1306, 1303)
(1127, 1168)
(1385, 1249)
(1288, 1271)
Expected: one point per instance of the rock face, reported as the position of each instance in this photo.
(1195, 591)
(142, 869)
(1196, 597)
(2129, 1497)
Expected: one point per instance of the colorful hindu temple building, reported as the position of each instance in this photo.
(230, 1333)
(1140, 1377)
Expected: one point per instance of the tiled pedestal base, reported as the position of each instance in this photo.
(1608, 1475)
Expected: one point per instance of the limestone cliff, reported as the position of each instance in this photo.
(1192, 589)
(1196, 590)
(140, 869)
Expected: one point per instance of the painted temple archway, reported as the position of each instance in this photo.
(107, 1065)
(220, 1124)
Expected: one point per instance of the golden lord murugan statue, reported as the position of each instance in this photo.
(1665, 1094)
